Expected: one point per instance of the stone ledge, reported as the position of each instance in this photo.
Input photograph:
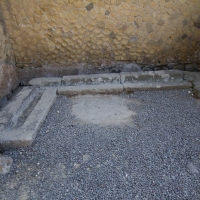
(142, 86)
(45, 81)
(196, 89)
(157, 76)
(8, 79)
(25, 134)
(192, 76)
(91, 79)
(91, 89)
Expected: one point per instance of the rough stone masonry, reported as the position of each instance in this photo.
(62, 32)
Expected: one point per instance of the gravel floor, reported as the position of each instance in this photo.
(156, 158)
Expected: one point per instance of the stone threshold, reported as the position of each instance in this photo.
(21, 119)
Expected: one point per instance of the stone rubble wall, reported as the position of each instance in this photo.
(8, 75)
(64, 32)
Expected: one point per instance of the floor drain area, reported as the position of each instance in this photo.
(21, 119)
(17, 111)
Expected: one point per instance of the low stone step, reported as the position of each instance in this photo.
(91, 79)
(192, 76)
(45, 81)
(157, 76)
(15, 105)
(142, 86)
(25, 134)
(196, 89)
(91, 89)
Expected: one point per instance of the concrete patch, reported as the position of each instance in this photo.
(103, 110)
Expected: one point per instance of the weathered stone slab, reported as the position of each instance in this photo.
(46, 81)
(140, 86)
(196, 90)
(91, 79)
(5, 164)
(26, 134)
(157, 76)
(191, 76)
(7, 112)
(8, 79)
(91, 89)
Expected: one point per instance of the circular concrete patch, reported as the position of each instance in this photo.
(103, 110)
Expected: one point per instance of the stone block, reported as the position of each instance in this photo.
(191, 67)
(45, 81)
(196, 90)
(91, 79)
(192, 76)
(8, 79)
(24, 135)
(91, 89)
(146, 86)
(5, 164)
(156, 76)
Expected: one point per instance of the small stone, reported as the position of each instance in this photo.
(192, 168)
(76, 165)
(197, 24)
(86, 157)
(191, 67)
(179, 67)
(5, 164)
(161, 22)
(146, 68)
(90, 6)
(107, 12)
(171, 65)
(152, 66)
(112, 35)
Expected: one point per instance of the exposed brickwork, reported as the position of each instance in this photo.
(63, 32)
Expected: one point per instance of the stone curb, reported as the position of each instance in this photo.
(12, 108)
(91, 79)
(157, 76)
(192, 76)
(196, 89)
(90, 89)
(144, 86)
(25, 135)
(45, 81)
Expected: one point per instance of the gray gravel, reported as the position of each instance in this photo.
(157, 158)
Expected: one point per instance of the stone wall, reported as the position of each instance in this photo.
(8, 75)
(64, 32)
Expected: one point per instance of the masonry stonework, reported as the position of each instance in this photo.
(64, 32)
(8, 75)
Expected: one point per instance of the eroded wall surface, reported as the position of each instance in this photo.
(61, 32)
(8, 75)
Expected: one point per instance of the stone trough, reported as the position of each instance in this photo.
(21, 118)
